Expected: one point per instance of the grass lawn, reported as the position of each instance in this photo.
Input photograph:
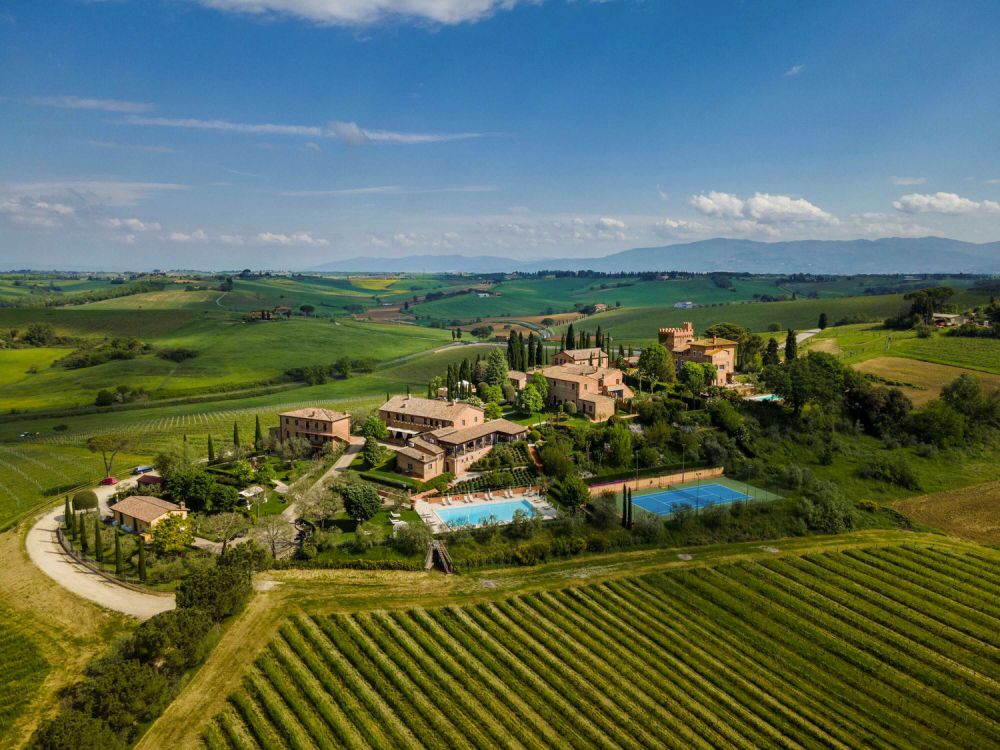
(381, 522)
(922, 380)
(746, 645)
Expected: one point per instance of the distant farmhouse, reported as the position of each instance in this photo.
(685, 305)
(595, 391)
(720, 353)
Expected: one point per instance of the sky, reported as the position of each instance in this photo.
(283, 134)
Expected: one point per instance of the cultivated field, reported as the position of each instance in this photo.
(969, 513)
(23, 667)
(923, 380)
(774, 652)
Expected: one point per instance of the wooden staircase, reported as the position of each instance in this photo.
(437, 554)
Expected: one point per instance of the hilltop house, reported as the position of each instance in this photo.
(138, 514)
(594, 356)
(409, 416)
(720, 353)
(450, 449)
(318, 426)
(595, 391)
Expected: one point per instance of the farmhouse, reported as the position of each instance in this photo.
(593, 356)
(948, 320)
(517, 379)
(454, 449)
(720, 353)
(139, 514)
(408, 416)
(594, 391)
(318, 426)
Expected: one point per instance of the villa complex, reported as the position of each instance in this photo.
(720, 353)
(408, 416)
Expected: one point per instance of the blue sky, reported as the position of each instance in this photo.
(285, 133)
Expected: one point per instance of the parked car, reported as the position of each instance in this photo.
(141, 470)
(109, 480)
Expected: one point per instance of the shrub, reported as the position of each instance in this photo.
(604, 511)
(570, 407)
(73, 730)
(221, 591)
(177, 355)
(85, 500)
(648, 528)
(124, 693)
(174, 640)
(361, 501)
(412, 539)
(893, 470)
(869, 505)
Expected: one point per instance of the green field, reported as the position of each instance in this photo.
(637, 326)
(878, 647)
(860, 342)
(33, 289)
(231, 354)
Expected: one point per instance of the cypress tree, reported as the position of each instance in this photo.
(211, 450)
(72, 524)
(258, 436)
(142, 560)
(67, 523)
(98, 547)
(539, 352)
(236, 434)
(630, 508)
(570, 338)
(625, 507)
(791, 346)
(118, 553)
(84, 543)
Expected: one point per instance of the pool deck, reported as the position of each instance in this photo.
(427, 510)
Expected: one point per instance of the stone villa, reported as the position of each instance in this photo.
(720, 353)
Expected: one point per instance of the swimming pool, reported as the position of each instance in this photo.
(663, 503)
(475, 515)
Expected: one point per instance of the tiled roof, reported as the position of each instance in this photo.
(315, 412)
(453, 436)
(426, 407)
(144, 508)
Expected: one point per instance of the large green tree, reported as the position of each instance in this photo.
(109, 445)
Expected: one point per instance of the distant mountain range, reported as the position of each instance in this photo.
(886, 255)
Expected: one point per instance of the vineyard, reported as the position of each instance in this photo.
(894, 646)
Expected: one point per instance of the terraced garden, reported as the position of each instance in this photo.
(894, 646)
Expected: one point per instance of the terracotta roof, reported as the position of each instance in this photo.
(714, 341)
(144, 508)
(578, 354)
(315, 412)
(150, 479)
(568, 372)
(421, 450)
(453, 436)
(426, 407)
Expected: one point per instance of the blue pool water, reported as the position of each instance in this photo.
(662, 503)
(474, 515)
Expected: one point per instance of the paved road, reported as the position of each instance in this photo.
(45, 551)
(352, 450)
(803, 335)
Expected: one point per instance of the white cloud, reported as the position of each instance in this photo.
(103, 105)
(297, 238)
(723, 205)
(943, 203)
(231, 239)
(196, 236)
(313, 146)
(134, 225)
(29, 213)
(672, 227)
(768, 208)
(762, 208)
(794, 70)
(368, 12)
(90, 193)
(908, 180)
(610, 224)
(994, 181)
(349, 133)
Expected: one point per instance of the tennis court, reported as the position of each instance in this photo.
(665, 502)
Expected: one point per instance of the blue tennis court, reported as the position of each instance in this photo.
(666, 502)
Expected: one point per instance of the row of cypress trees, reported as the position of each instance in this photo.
(76, 528)
(627, 508)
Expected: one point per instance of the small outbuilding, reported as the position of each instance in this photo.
(138, 514)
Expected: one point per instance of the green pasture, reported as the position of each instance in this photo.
(23, 668)
(528, 297)
(231, 354)
(31, 289)
(639, 325)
